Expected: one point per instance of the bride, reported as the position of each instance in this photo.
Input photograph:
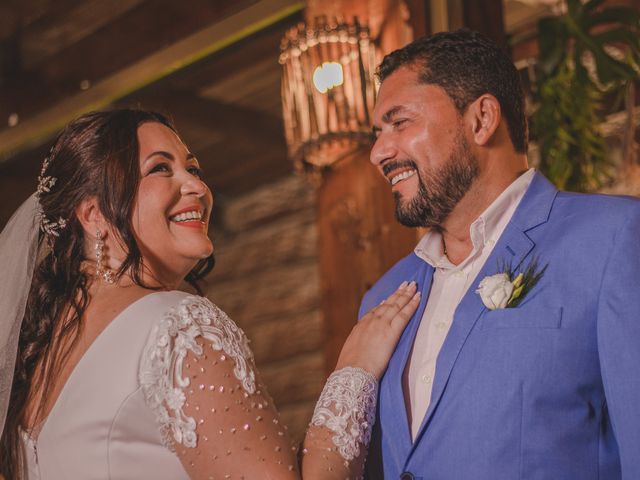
(119, 373)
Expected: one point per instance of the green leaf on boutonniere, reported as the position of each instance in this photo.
(522, 281)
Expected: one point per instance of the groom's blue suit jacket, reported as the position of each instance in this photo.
(548, 390)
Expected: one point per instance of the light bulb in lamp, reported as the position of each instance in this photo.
(327, 76)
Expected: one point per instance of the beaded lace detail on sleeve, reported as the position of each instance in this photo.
(347, 407)
(161, 368)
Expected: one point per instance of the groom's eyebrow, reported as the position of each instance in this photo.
(392, 112)
(387, 117)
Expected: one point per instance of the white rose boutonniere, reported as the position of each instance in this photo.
(507, 290)
(495, 291)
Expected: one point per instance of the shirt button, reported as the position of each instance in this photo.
(407, 476)
(441, 326)
(426, 378)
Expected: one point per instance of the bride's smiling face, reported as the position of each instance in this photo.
(171, 214)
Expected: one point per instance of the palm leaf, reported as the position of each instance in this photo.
(620, 15)
(552, 41)
(591, 5)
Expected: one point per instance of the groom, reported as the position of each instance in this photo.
(533, 376)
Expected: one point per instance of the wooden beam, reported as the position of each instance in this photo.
(247, 53)
(21, 14)
(62, 27)
(75, 57)
(130, 37)
(36, 130)
(235, 122)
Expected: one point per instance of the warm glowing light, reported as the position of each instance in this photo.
(323, 123)
(328, 76)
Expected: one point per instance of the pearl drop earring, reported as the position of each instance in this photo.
(102, 271)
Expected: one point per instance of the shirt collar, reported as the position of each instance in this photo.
(486, 228)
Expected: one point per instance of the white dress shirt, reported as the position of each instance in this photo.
(450, 283)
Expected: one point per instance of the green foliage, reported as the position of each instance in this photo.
(569, 113)
(566, 126)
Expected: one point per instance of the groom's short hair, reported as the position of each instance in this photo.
(466, 65)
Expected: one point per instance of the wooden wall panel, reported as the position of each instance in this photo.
(287, 197)
(291, 239)
(267, 280)
(295, 380)
(263, 296)
(292, 334)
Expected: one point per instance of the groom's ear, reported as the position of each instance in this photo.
(484, 115)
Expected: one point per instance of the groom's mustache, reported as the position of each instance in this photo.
(390, 167)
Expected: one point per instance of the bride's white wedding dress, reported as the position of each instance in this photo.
(101, 425)
(144, 389)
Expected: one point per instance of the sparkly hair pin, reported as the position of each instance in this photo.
(45, 184)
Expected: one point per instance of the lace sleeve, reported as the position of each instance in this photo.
(198, 376)
(347, 407)
(340, 429)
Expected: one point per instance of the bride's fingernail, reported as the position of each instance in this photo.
(403, 284)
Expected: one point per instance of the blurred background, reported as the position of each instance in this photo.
(302, 224)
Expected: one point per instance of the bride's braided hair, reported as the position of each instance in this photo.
(94, 156)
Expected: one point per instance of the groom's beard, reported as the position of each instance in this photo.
(439, 191)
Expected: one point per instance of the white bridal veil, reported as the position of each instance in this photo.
(18, 255)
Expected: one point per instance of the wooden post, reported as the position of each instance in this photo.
(359, 238)
(486, 17)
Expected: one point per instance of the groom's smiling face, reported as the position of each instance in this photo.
(421, 149)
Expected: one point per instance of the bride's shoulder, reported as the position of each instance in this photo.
(171, 305)
(183, 316)
(177, 310)
(161, 301)
(190, 328)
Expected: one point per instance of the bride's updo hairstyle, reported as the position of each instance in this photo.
(96, 155)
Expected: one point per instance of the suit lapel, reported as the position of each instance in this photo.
(397, 424)
(514, 246)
